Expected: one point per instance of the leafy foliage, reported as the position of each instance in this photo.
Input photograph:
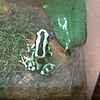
(68, 20)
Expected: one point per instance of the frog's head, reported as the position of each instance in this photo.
(44, 32)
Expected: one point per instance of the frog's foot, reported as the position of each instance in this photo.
(30, 48)
(27, 62)
(48, 69)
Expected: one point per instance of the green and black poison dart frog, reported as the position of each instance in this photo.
(39, 55)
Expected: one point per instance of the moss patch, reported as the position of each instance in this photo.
(15, 28)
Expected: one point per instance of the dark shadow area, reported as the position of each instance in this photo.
(96, 94)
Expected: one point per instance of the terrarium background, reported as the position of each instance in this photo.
(17, 23)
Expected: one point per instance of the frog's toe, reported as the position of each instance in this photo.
(33, 69)
(31, 66)
(47, 70)
(42, 73)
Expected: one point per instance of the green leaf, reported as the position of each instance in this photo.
(68, 20)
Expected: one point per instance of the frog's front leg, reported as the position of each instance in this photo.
(22, 60)
(49, 51)
(30, 48)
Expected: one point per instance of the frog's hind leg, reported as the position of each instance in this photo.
(30, 63)
(48, 69)
(27, 62)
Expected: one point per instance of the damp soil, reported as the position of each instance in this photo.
(25, 18)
